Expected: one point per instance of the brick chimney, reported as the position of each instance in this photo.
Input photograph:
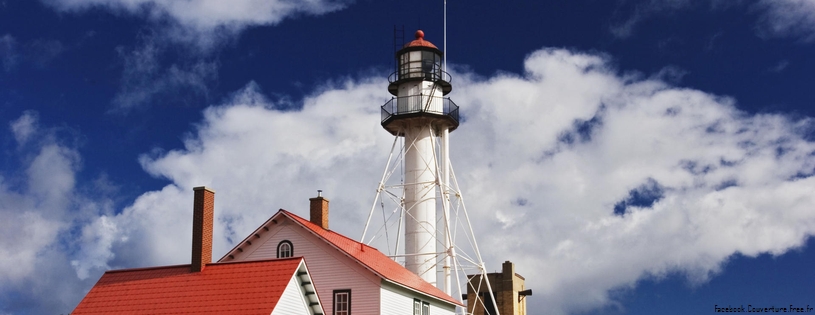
(319, 210)
(203, 208)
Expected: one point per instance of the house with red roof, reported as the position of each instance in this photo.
(267, 273)
(351, 278)
(278, 286)
(267, 286)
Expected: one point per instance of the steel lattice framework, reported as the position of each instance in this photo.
(459, 254)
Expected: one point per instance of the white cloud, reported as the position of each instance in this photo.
(40, 207)
(206, 21)
(25, 233)
(95, 253)
(643, 10)
(144, 77)
(258, 159)
(24, 127)
(690, 143)
(198, 27)
(788, 18)
(570, 137)
(777, 18)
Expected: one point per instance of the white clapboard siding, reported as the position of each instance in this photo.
(438, 310)
(397, 300)
(292, 301)
(394, 303)
(329, 268)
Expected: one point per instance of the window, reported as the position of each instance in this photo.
(285, 249)
(431, 65)
(342, 302)
(420, 307)
(420, 64)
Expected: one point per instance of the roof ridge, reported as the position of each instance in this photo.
(255, 231)
(353, 249)
(255, 261)
(147, 268)
(209, 264)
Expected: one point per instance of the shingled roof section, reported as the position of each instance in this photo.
(373, 259)
(250, 287)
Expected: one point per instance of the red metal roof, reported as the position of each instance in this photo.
(251, 287)
(419, 41)
(373, 259)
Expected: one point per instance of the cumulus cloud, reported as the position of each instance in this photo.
(198, 28)
(24, 127)
(259, 157)
(40, 207)
(207, 21)
(621, 177)
(576, 142)
(589, 180)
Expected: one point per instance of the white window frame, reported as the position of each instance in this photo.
(340, 306)
(421, 307)
(285, 249)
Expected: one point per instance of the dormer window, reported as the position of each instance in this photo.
(285, 249)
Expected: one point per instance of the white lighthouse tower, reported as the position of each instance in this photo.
(424, 206)
(419, 112)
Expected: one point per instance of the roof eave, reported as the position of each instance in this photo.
(452, 300)
(255, 232)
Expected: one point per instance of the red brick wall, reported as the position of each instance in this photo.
(203, 209)
(319, 212)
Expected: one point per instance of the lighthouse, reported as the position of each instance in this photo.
(420, 113)
(419, 194)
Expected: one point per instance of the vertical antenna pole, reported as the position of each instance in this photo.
(445, 171)
(444, 67)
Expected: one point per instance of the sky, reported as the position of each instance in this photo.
(629, 156)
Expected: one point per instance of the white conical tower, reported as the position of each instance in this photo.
(420, 117)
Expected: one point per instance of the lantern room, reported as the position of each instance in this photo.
(419, 60)
(419, 86)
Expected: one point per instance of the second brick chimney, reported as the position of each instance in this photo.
(203, 209)
(319, 210)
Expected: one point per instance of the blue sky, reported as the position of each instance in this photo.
(630, 156)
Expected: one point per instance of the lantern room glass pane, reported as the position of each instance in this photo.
(420, 64)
